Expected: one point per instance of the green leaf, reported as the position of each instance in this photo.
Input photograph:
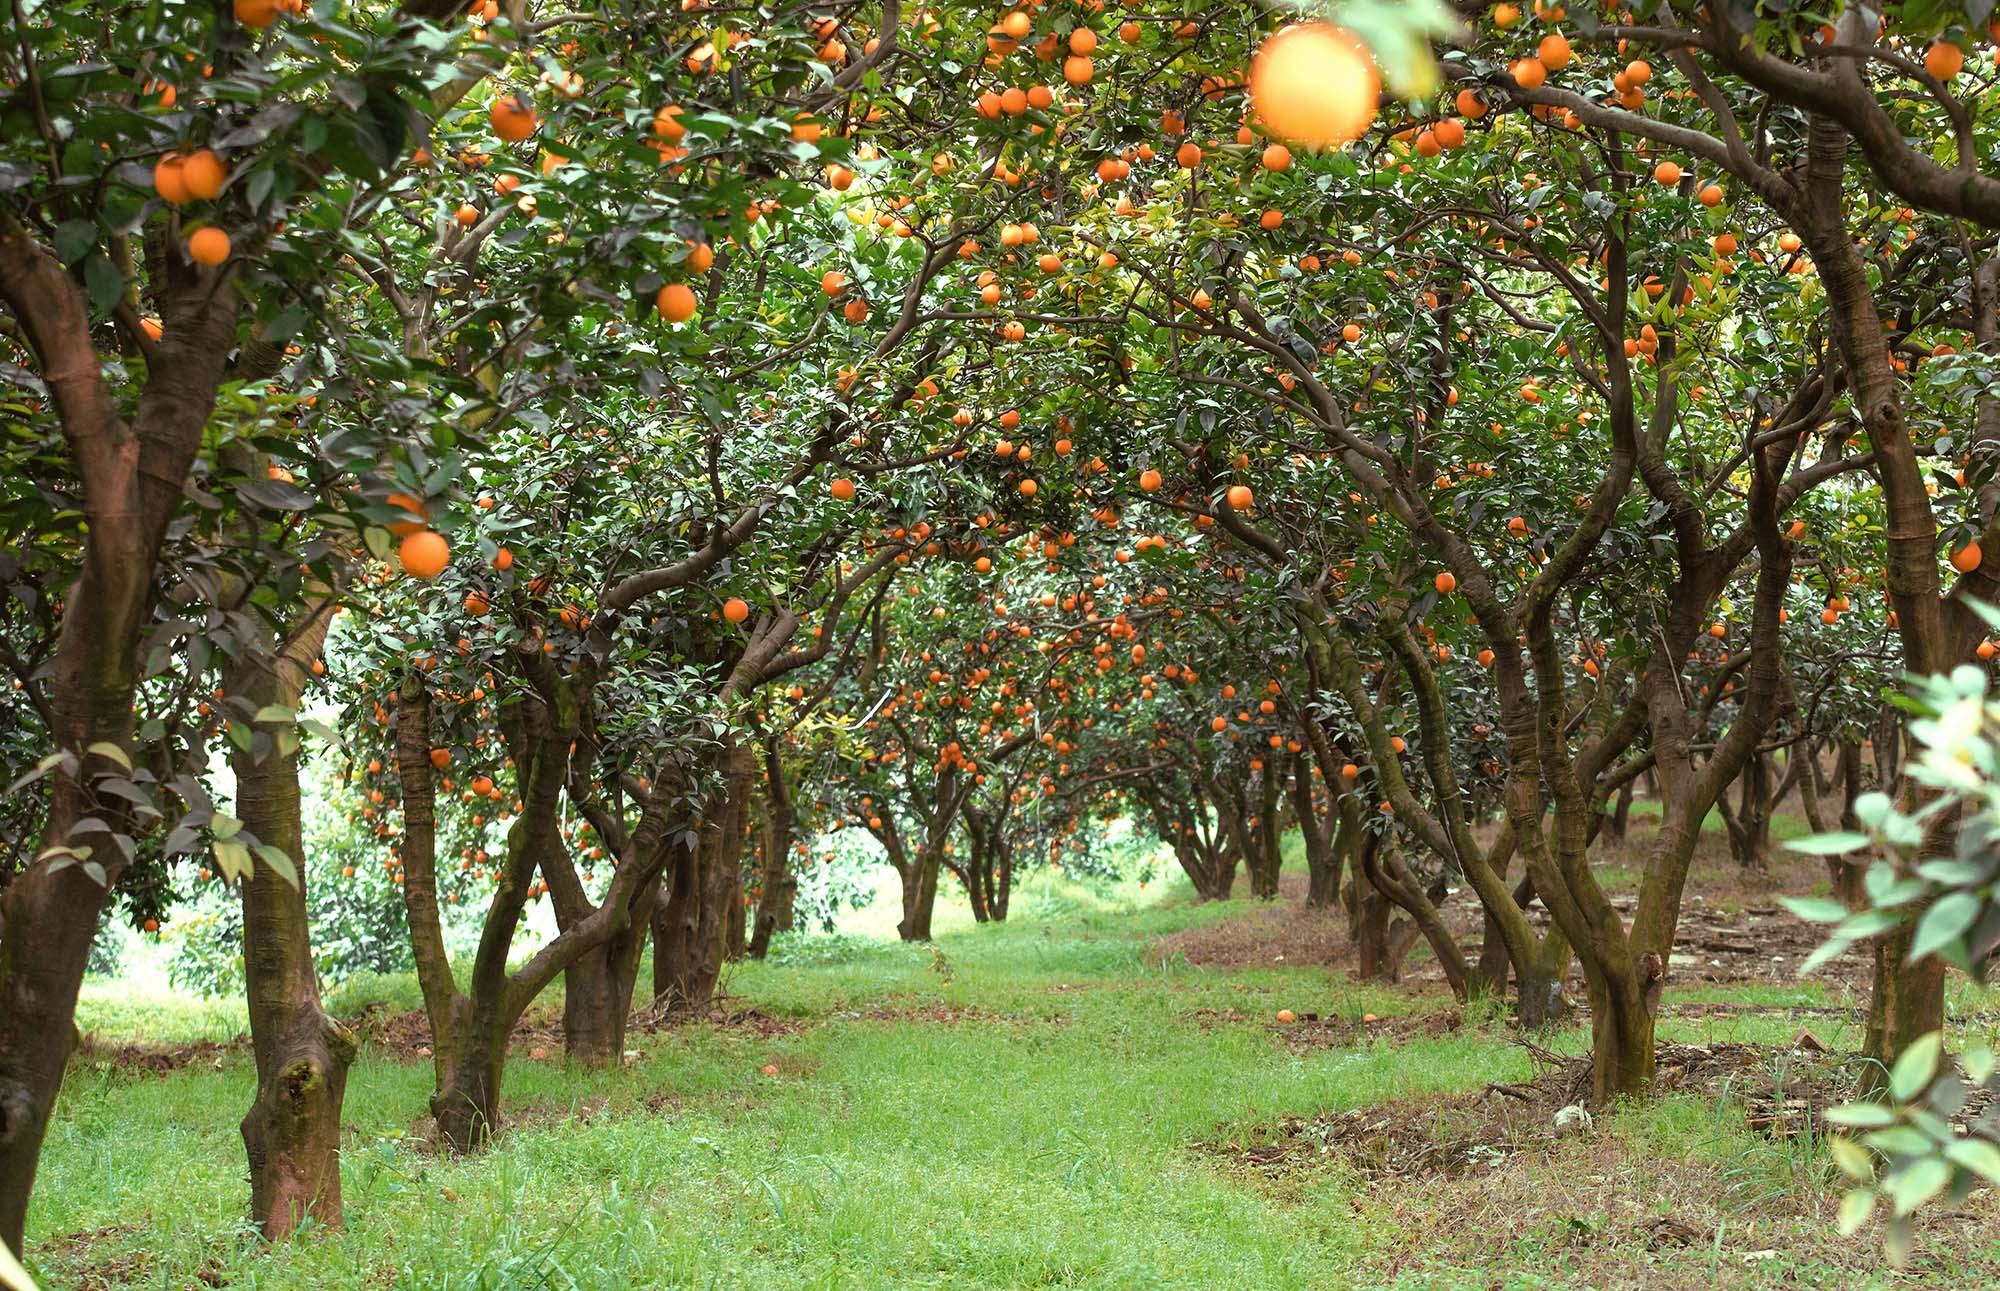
(111, 753)
(1865, 1116)
(1948, 917)
(1855, 1161)
(103, 283)
(276, 713)
(231, 858)
(1976, 1155)
(1916, 1067)
(224, 826)
(1855, 1208)
(1815, 909)
(274, 856)
(1917, 1183)
(1829, 844)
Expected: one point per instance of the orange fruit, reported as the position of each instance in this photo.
(256, 14)
(169, 181)
(1314, 83)
(1445, 583)
(1277, 157)
(675, 302)
(512, 118)
(736, 609)
(424, 554)
(1078, 70)
(1240, 497)
(1944, 60)
(203, 173)
(1528, 73)
(1554, 51)
(842, 490)
(1188, 155)
(1149, 481)
(208, 245)
(1668, 173)
(415, 506)
(1967, 558)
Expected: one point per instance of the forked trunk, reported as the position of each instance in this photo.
(597, 995)
(690, 933)
(469, 1061)
(1622, 1053)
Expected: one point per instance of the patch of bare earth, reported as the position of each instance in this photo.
(1282, 931)
(1515, 1167)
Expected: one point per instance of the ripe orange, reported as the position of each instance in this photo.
(1188, 155)
(203, 174)
(1445, 583)
(1528, 73)
(440, 758)
(1554, 51)
(1350, 772)
(208, 245)
(1078, 70)
(1240, 497)
(1967, 558)
(256, 14)
(1711, 195)
(842, 490)
(736, 609)
(477, 605)
(675, 302)
(1285, 1015)
(1668, 173)
(169, 180)
(1314, 83)
(414, 506)
(1277, 157)
(1944, 60)
(1470, 105)
(424, 554)
(1149, 481)
(512, 118)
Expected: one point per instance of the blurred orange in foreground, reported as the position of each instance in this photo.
(1314, 83)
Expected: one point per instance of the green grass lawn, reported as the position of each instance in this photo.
(1018, 1106)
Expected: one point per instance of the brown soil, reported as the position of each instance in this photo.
(1283, 931)
(1779, 1091)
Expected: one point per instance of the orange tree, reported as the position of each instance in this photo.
(1850, 148)
(175, 186)
(1601, 309)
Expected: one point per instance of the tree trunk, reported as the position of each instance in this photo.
(292, 1130)
(1621, 814)
(690, 933)
(1845, 873)
(1622, 1050)
(132, 476)
(777, 886)
(597, 992)
(469, 1059)
(920, 884)
(1323, 862)
(1906, 1004)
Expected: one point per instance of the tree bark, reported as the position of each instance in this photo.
(778, 887)
(690, 932)
(131, 477)
(292, 1130)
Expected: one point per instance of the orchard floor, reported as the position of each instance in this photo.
(1090, 1096)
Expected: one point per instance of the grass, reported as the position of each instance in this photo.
(1016, 1106)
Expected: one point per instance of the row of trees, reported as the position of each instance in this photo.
(629, 439)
